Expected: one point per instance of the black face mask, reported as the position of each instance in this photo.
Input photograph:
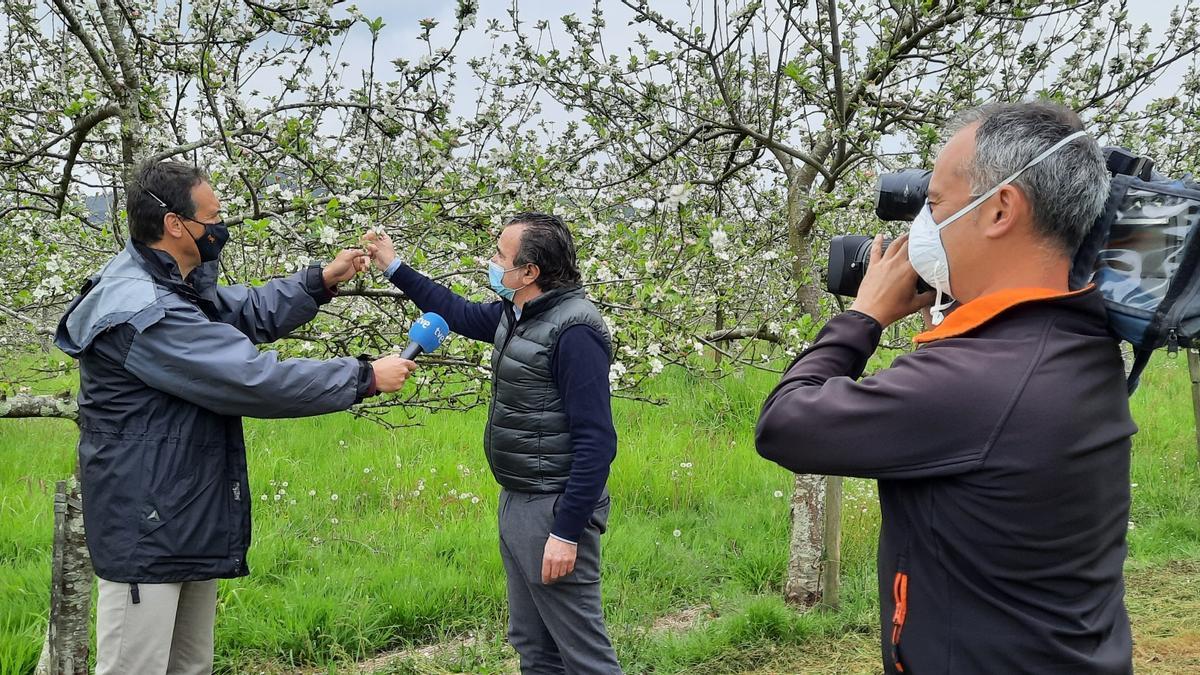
(212, 240)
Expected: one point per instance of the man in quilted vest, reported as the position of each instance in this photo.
(549, 439)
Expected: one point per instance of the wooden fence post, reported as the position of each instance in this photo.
(831, 572)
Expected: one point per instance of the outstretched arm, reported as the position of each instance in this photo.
(269, 312)
(474, 320)
(214, 366)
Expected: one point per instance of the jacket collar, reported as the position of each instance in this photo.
(161, 266)
(983, 310)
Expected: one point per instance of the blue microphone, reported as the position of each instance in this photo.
(427, 334)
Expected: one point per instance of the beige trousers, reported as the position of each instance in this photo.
(168, 631)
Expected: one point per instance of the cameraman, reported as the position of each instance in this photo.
(1001, 445)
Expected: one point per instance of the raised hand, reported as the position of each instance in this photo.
(380, 248)
(888, 292)
(344, 266)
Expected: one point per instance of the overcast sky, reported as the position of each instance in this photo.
(401, 17)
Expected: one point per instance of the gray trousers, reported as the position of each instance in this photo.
(557, 628)
(168, 631)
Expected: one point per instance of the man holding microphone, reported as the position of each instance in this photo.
(167, 368)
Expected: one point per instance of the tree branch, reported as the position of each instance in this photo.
(85, 39)
(24, 406)
(743, 333)
(82, 128)
(38, 327)
(84, 124)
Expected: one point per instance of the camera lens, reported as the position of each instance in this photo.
(849, 256)
(901, 195)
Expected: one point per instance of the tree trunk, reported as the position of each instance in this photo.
(67, 637)
(800, 220)
(128, 91)
(813, 564)
(807, 547)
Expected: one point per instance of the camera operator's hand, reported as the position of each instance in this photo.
(888, 292)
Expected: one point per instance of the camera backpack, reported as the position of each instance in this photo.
(1143, 255)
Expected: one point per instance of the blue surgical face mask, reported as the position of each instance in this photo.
(496, 277)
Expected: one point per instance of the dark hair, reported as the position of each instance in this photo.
(547, 243)
(159, 188)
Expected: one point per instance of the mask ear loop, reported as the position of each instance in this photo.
(937, 312)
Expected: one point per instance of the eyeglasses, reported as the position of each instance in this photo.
(171, 210)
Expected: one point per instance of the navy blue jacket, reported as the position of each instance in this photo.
(167, 369)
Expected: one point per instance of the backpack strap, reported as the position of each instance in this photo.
(1141, 358)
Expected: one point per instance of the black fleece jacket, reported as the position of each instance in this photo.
(1001, 447)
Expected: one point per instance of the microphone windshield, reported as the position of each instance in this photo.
(429, 331)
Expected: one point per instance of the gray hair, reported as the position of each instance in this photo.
(1067, 190)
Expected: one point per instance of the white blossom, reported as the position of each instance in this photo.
(677, 195)
(616, 372)
(720, 243)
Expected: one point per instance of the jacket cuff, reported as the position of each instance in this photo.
(314, 285)
(852, 330)
(366, 380)
(874, 328)
(567, 527)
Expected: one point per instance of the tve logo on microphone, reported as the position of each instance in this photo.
(427, 334)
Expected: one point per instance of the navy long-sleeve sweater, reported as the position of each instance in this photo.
(580, 366)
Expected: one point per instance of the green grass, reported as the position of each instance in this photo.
(407, 552)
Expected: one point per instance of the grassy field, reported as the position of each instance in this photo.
(368, 540)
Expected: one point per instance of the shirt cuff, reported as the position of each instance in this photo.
(565, 541)
(391, 269)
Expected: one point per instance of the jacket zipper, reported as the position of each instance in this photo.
(900, 599)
